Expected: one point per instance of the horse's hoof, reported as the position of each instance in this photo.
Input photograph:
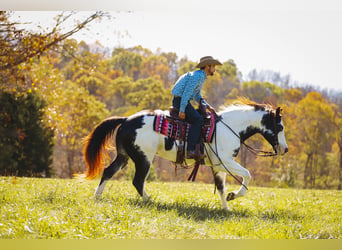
(230, 196)
(146, 198)
(227, 209)
(97, 198)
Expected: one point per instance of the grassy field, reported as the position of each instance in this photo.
(65, 209)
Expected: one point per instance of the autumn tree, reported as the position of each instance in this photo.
(19, 47)
(30, 113)
(129, 62)
(338, 136)
(315, 129)
(339, 141)
(71, 111)
(262, 92)
(157, 66)
(218, 87)
(149, 94)
(186, 66)
(118, 90)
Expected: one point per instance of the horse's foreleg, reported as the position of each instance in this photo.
(236, 169)
(108, 173)
(220, 180)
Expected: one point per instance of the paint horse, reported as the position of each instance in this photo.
(135, 139)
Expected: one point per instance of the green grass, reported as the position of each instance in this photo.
(65, 209)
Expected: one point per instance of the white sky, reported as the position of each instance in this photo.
(303, 39)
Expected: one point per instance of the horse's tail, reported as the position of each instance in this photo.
(95, 142)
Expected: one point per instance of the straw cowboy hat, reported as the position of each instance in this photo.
(207, 60)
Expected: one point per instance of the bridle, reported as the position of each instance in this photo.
(254, 151)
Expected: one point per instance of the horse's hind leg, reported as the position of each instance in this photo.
(108, 173)
(142, 169)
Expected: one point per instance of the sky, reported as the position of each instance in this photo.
(303, 40)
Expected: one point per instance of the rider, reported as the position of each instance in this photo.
(188, 87)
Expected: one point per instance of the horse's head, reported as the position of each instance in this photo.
(273, 131)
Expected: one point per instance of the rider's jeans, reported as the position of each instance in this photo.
(196, 121)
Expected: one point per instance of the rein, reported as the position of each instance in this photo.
(221, 163)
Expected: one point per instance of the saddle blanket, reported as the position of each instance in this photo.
(178, 130)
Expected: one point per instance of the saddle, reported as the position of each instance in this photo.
(177, 129)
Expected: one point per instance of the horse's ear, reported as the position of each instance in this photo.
(278, 110)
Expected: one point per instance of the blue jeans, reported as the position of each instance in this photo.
(196, 121)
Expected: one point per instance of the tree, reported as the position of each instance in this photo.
(118, 91)
(186, 66)
(19, 47)
(338, 122)
(78, 112)
(173, 65)
(269, 76)
(128, 62)
(340, 163)
(26, 143)
(156, 66)
(315, 118)
(218, 87)
(293, 95)
(262, 92)
(71, 111)
(149, 94)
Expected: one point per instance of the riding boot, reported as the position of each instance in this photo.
(196, 154)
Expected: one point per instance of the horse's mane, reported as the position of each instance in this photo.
(242, 101)
(257, 106)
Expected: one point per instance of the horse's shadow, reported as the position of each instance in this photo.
(207, 212)
(190, 211)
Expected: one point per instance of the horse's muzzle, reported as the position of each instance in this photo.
(279, 150)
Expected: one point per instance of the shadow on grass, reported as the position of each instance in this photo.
(190, 211)
(280, 215)
(207, 212)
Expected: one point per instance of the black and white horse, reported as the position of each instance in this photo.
(135, 138)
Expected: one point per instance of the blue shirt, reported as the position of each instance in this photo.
(189, 87)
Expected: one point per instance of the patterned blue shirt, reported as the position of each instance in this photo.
(189, 87)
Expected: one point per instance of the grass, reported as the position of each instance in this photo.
(65, 209)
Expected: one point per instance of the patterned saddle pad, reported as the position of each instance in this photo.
(179, 129)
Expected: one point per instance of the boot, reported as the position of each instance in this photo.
(194, 155)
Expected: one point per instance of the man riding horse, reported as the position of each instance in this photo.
(188, 87)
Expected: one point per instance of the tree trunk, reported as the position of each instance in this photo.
(70, 158)
(308, 170)
(314, 170)
(340, 172)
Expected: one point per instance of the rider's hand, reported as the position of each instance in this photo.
(211, 109)
(181, 115)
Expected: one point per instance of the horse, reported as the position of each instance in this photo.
(135, 138)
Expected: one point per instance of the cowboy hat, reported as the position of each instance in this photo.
(207, 60)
